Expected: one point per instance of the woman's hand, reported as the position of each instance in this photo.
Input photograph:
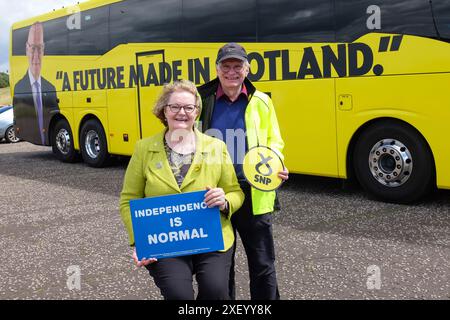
(215, 197)
(143, 262)
(284, 174)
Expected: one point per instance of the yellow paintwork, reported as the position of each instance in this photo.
(317, 129)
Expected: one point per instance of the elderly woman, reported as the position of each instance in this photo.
(182, 159)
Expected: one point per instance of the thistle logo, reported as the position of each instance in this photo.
(261, 166)
(265, 161)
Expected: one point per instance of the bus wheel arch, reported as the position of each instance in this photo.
(61, 139)
(391, 160)
(93, 142)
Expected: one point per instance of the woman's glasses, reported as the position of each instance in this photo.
(175, 108)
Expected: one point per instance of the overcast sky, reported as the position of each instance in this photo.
(17, 10)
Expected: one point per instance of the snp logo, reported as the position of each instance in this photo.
(374, 278)
(73, 22)
(73, 278)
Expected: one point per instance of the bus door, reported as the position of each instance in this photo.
(306, 111)
(151, 67)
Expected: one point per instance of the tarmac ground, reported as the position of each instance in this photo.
(62, 237)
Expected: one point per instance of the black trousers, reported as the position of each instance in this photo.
(174, 276)
(256, 235)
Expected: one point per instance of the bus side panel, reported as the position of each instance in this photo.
(423, 101)
(66, 109)
(123, 121)
(306, 116)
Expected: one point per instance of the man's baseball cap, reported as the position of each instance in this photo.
(231, 51)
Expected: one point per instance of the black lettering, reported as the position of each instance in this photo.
(76, 80)
(111, 78)
(287, 74)
(176, 67)
(152, 77)
(309, 65)
(101, 78)
(367, 59)
(84, 81)
(201, 70)
(272, 56)
(135, 76)
(92, 78)
(120, 83)
(191, 70)
(255, 76)
(165, 72)
(339, 63)
(263, 180)
(66, 83)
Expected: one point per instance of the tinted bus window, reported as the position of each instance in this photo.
(56, 37)
(219, 21)
(411, 17)
(20, 37)
(91, 36)
(145, 21)
(441, 9)
(295, 21)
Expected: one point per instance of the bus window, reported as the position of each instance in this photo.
(209, 21)
(56, 40)
(56, 37)
(295, 21)
(411, 17)
(137, 21)
(441, 9)
(91, 36)
(19, 40)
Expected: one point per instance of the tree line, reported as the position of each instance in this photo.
(4, 80)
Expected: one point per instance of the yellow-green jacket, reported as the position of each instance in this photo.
(261, 127)
(149, 175)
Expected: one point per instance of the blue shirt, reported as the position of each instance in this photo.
(228, 119)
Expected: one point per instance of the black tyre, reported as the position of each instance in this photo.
(394, 163)
(93, 144)
(10, 135)
(62, 142)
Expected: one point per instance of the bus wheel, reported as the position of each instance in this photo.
(394, 163)
(93, 144)
(62, 142)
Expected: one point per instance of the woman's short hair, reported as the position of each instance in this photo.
(168, 89)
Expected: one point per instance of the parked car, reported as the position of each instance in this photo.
(6, 124)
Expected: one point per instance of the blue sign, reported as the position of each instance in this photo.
(175, 225)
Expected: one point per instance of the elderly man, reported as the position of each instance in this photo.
(35, 98)
(232, 106)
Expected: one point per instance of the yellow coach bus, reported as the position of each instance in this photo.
(360, 87)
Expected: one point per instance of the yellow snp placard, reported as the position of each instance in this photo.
(261, 166)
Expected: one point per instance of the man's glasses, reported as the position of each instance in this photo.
(175, 108)
(36, 47)
(236, 68)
